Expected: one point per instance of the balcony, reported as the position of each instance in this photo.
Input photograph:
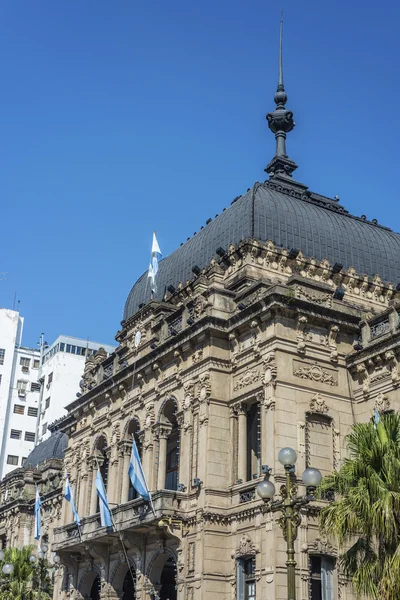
(134, 516)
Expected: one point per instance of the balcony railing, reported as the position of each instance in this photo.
(125, 516)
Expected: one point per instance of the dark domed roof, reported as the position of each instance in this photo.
(291, 217)
(53, 447)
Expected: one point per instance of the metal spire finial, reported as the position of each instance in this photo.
(280, 122)
(280, 65)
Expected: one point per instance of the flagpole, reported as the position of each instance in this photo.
(144, 477)
(78, 526)
(118, 531)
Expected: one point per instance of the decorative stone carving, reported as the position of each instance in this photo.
(255, 326)
(336, 447)
(204, 387)
(382, 403)
(321, 545)
(300, 334)
(269, 380)
(235, 348)
(89, 379)
(115, 434)
(363, 376)
(318, 404)
(246, 547)
(197, 355)
(322, 299)
(150, 415)
(333, 333)
(315, 373)
(199, 306)
(188, 388)
(249, 377)
(393, 364)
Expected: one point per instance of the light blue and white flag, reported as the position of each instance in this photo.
(136, 474)
(377, 417)
(153, 268)
(36, 511)
(70, 498)
(105, 514)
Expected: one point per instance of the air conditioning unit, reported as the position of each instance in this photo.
(22, 393)
(25, 369)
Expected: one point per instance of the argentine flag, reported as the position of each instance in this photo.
(105, 514)
(136, 474)
(153, 268)
(69, 497)
(36, 511)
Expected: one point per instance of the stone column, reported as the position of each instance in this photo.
(83, 489)
(242, 454)
(163, 433)
(124, 475)
(146, 441)
(93, 495)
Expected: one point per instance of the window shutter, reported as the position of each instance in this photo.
(326, 578)
(239, 580)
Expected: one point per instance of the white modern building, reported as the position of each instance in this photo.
(60, 374)
(19, 393)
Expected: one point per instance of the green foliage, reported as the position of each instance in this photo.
(28, 581)
(365, 518)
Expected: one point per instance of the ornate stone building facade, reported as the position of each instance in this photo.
(278, 327)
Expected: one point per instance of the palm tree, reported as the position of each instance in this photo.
(365, 518)
(23, 583)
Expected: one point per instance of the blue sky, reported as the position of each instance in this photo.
(118, 118)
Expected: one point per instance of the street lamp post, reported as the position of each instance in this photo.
(41, 566)
(7, 569)
(289, 505)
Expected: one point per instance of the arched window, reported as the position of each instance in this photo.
(168, 581)
(169, 448)
(95, 589)
(129, 585)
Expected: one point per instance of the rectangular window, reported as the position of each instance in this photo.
(36, 363)
(23, 459)
(253, 425)
(15, 434)
(32, 411)
(44, 428)
(62, 347)
(35, 387)
(246, 579)
(321, 578)
(0, 378)
(29, 436)
(21, 384)
(47, 403)
(12, 459)
(19, 409)
(2, 355)
(68, 347)
(25, 362)
(319, 442)
(50, 378)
